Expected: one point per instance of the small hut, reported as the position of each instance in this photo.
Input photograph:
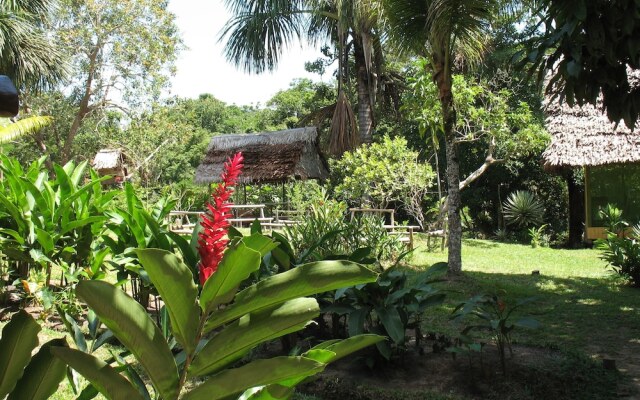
(269, 157)
(609, 153)
(111, 162)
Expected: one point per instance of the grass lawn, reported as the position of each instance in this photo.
(582, 306)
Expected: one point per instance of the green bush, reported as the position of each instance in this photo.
(381, 173)
(390, 305)
(622, 254)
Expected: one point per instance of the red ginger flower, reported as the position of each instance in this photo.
(212, 240)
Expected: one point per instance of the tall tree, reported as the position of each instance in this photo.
(440, 30)
(27, 55)
(260, 30)
(122, 53)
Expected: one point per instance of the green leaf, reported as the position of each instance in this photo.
(256, 228)
(281, 258)
(154, 227)
(236, 266)
(19, 338)
(257, 373)
(16, 215)
(392, 322)
(174, 281)
(356, 319)
(45, 240)
(15, 235)
(73, 329)
(259, 243)
(42, 375)
(305, 280)
(239, 338)
(131, 324)
(189, 256)
(80, 223)
(343, 348)
(105, 378)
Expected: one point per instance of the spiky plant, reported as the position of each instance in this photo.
(523, 209)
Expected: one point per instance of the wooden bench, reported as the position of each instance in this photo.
(404, 233)
(242, 213)
(287, 215)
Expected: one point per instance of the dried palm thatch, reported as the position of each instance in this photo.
(584, 136)
(268, 156)
(109, 159)
(344, 129)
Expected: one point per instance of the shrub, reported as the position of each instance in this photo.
(380, 173)
(622, 254)
(495, 316)
(390, 306)
(523, 209)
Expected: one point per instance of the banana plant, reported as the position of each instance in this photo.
(23, 376)
(45, 222)
(217, 326)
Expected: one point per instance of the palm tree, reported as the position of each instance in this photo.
(26, 54)
(260, 30)
(440, 30)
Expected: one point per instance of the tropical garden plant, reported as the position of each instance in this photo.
(213, 323)
(389, 306)
(23, 376)
(621, 250)
(45, 222)
(523, 209)
(495, 316)
(135, 226)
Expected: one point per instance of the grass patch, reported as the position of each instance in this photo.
(583, 307)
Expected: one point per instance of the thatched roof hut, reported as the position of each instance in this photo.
(609, 153)
(268, 157)
(111, 162)
(584, 136)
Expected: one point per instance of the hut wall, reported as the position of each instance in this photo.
(617, 184)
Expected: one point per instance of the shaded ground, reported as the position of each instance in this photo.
(533, 373)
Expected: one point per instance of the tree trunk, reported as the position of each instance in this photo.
(365, 103)
(453, 203)
(442, 79)
(576, 209)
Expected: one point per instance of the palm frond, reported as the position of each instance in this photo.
(23, 127)
(408, 22)
(26, 54)
(259, 31)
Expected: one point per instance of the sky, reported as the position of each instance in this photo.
(202, 67)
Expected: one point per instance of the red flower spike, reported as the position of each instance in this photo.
(212, 240)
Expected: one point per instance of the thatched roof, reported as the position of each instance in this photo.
(268, 156)
(584, 136)
(108, 159)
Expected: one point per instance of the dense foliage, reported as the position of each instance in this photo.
(383, 173)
